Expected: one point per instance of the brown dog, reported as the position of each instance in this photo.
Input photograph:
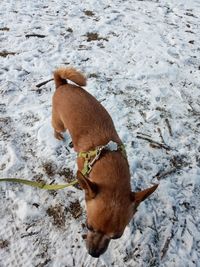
(103, 172)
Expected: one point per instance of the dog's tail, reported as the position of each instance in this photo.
(62, 74)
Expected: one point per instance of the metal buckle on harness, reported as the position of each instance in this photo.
(96, 153)
(99, 150)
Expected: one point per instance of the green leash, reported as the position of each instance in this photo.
(39, 185)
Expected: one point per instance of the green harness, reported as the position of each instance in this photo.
(90, 158)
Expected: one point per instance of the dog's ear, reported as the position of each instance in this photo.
(138, 197)
(91, 189)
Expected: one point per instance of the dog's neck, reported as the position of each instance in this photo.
(111, 170)
(90, 157)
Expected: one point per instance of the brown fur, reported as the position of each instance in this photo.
(61, 74)
(109, 200)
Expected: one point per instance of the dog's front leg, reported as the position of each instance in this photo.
(58, 135)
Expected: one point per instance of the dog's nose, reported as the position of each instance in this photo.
(96, 243)
(96, 253)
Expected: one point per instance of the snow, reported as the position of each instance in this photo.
(144, 68)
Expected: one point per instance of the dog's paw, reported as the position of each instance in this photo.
(58, 136)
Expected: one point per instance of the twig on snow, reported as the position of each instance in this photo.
(139, 133)
(6, 53)
(193, 110)
(29, 234)
(161, 175)
(166, 245)
(153, 143)
(169, 127)
(177, 163)
(161, 136)
(43, 83)
(184, 227)
(35, 35)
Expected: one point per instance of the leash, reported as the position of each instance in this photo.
(38, 184)
(90, 157)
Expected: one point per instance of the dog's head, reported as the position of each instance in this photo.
(108, 212)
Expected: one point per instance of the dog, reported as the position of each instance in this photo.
(103, 169)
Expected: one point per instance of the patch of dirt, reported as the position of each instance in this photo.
(84, 47)
(2, 108)
(93, 75)
(44, 263)
(191, 42)
(94, 36)
(49, 168)
(89, 13)
(6, 53)
(30, 119)
(58, 214)
(101, 45)
(2, 166)
(39, 177)
(69, 176)
(5, 29)
(5, 127)
(5, 120)
(179, 161)
(75, 209)
(4, 243)
(69, 30)
(67, 173)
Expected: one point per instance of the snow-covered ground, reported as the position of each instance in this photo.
(142, 62)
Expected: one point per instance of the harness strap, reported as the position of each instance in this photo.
(91, 156)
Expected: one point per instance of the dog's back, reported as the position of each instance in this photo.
(78, 111)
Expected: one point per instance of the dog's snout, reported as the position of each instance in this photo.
(94, 253)
(96, 243)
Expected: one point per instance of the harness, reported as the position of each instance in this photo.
(91, 156)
